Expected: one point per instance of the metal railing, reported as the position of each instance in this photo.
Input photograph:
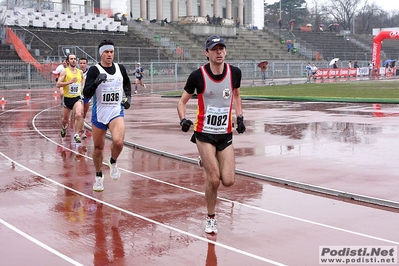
(122, 54)
(165, 42)
(33, 36)
(309, 51)
(18, 74)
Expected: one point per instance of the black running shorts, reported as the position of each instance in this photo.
(70, 102)
(220, 141)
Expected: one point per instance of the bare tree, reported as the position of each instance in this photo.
(317, 14)
(290, 9)
(389, 19)
(342, 11)
(359, 16)
(369, 17)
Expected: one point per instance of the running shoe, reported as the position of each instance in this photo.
(135, 92)
(83, 135)
(210, 227)
(199, 161)
(63, 132)
(98, 184)
(114, 170)
(76, 138)
(145, 87)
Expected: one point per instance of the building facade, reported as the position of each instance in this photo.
(249, 13)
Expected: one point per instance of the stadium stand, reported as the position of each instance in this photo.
(331, 45)
(8, 53)
(9, 18)
(175, 41)
(389, 48)
(56, 43)
(89, 25)
(257, 43)
(27, 17)
(302, 28)
(190, 46)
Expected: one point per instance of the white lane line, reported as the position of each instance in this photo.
(145, 218)
(37, 242)
(270, 212)
(235, 202)
(201, 193)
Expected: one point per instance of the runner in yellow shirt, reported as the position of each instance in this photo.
(71, 80)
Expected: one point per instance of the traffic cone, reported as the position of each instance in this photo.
(55, 95)
(377, 110)
(2, 101)
(27, 97)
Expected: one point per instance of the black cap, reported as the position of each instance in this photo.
(213, 40)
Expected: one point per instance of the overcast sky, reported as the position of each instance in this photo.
(387, 5)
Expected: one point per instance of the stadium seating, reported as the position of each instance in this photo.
(76, 24)
(22, 20)
(37, 22)
(331, 45)
(63, 24)
(9, 18)
(123, 28)
(113, 26)
(100, 26)
(305, 28)
(28, 17)
(89, 25)
(50, 22)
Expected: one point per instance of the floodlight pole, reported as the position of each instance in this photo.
(253, 77)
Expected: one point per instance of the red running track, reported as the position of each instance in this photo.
(155, 214)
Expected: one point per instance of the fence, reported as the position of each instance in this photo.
(18, 74)
(122, 54)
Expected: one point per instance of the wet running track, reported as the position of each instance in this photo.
(155, 214)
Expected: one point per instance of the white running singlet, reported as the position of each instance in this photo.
(108, 97)
(215, 104)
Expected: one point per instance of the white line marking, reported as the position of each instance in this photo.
(235, 202)
(37, 242)
(194, 191)
(145, 218)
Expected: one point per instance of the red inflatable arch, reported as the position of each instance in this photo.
(376, 51)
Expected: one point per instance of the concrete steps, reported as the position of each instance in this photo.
(246, 45)
(54, 42)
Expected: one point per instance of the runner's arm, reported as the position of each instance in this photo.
(127, 86)
(90, 87)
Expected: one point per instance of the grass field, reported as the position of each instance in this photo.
(386, 91)
(381, 91)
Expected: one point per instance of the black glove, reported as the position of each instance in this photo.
(126, 102)
(185, 124)
(240, 124)
(101, 78)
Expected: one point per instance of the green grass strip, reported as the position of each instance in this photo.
(320, 99)
(380, 91)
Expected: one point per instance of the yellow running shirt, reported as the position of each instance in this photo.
(75, 89)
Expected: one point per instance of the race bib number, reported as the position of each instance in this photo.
(138, 72)
(74, 89)
(110, 96)
(216, 119)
